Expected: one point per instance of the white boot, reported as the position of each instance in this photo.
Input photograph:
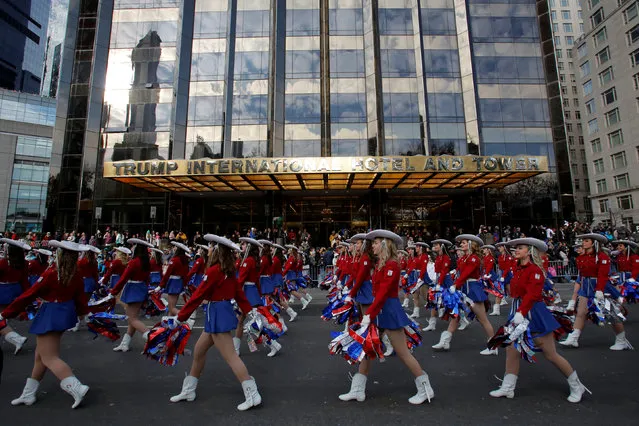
(496, 310)
(237, 342)
(291, 300)
(424, 390)
(415, 313)
(503, 302)
(389, 346)
(81, 323)
(463, 323)
(292, 314)
(73, 387)
(309, 297)
(145, 335)
(28, 396)
(189, 385)
(304, 304)
(507, 387)
(251, 394)
(358, 389)
(577, 389)
(444, 341)
(405, 303)
(275, 348)
(432, 323)
(284, 327)
(490, 352)
(621, 343)
(572, 340)
(124, 344)
(16, 340)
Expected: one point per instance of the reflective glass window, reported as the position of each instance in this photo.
(345, 22)
(504, 28)
(398, 63)
(251, 65)
(302, 22)
(441, 63)
(210, 25)
(303, 63)
(349, 147)
(401, 107)
(348, 107)
(303, 108)
(347, 63)
(447, 146)
(33, 146)
(208, 66)
(444, 107)
(250, 109)
(438, 22)
(205, 110)
(303, 148)
(253, 23)
(246, 149)
(395, 21)
(404, 147)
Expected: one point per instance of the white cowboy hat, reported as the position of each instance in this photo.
(469, 237)
(265, 243)
(251, 241)
(291, 246)
(358, 237)
(222, 240)
(422, 244)
(489, 247)
(182, 246)
(20, 244)
(538, 244)
(89, 247)
(68, 245)
(383, 233)
(277, 246)
(157, 250)
(627, 243)
(592, 236)
(136, 241)
(442, 241)
(202, 246)
(124, 250)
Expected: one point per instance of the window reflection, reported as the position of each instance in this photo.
(345, 21)
(251, 65)
(514, 112)
(347, 63)
(447, 147)
(400, 107)
(403, 147)
(250, 109)
(349, 147)
(443, 107)
(303, 64)
(504, 28)
(441, 63)
(303, 108)
(505, 69)
(303, 148)
(206, 110)
(348, 107)
(302, 22)
(208, 66)
(398, 63)
(438, 22)
(253, 23)
(395, 21)
(210, 25)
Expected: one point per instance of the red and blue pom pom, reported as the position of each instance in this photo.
(519, 336)
(167, 341)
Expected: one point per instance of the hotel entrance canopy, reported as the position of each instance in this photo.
(326, 173)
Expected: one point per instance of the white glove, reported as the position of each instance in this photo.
(452, 289)
(630, 280)
(571, 305)
(518, 318)
(158, 289)
(621, 300)
(345, 290)
(501, 280)
(1, 317)
(366, 320)
(438, 288)
(486, 277)
(173, 322)
(101, 281)
(339, 283)
(599, 295)
(348, 299)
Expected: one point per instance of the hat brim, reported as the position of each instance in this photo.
(136, 241)
(182, 246)
(68, 245)
(443, 242)
(15, 243)
(538, 244)
(222, 241)
(596, 237)
(251, 241)
(469, 237)
(385, 234)
(124, 250)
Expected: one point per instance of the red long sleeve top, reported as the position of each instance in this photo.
(385, 286)
(215, 287)
(49, 289)
(403, 264)
(442, 267)
(346, 267)
(276, 266)
(422, 265)
(36, 268)
(488, 264)
(527, 284)
(363, 273)
(545, 261)
(595, 267)
(410, 265)
(155, 267)
(627, 263)
(249, 272)
(133, 272)
(467, 269)
(265, 265)
(86, 269)
(115, 268)
(289, 266)
(506, 264)
(197, 268)
(179, 266)
(9, 274)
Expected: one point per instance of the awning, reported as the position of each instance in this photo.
(326, 173)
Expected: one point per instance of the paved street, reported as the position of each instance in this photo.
(301, 384)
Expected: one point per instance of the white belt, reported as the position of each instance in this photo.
(249, 283)
(10, 283)
(264, 276)
(135, 282)
(175, 277)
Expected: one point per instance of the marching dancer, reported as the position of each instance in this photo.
(505, 263)
(249, 280)
(411, 277)
(62, 291)
(134, 285)
(570, 308)
(594, 271)
(442, 273)
(420, 273)
(13, 282)
(267, 288)
(38, 265)
(278, 280)
(117, 267)
(467, 280)
(174, 278)
(156, 263)
(219, 286)
(196, 273)
(290, 272)
(88, 270)
(387, 313)
(627, 261)
(488, 272)
(301, 282)
(526, 287)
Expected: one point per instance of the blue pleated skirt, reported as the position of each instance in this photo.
(474, 289)
(448, 281)
(114, 280)
(155, 278)
(253, 296)
(612, 290)
(508, 277)
(549, 285)
(220, 317)
(134, 292)
(175, 286)
(541, 319)
(392, 315)
(196, 280)
(266, 284)
(54, 316)
(365, 293)
(588, 287)
(33, 279)
(89, 284)
(9, 292)
(277, 280)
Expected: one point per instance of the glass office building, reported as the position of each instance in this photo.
(154, 80)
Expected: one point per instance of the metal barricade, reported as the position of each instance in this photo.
(315, 272)
(563, 270)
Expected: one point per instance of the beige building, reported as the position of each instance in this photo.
(567, 26)
(607, 57)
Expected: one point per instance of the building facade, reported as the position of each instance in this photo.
(24, 23)
(220, 79)
(609, 55)
(26, 130)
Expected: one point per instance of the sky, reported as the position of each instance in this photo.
(57, 28)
